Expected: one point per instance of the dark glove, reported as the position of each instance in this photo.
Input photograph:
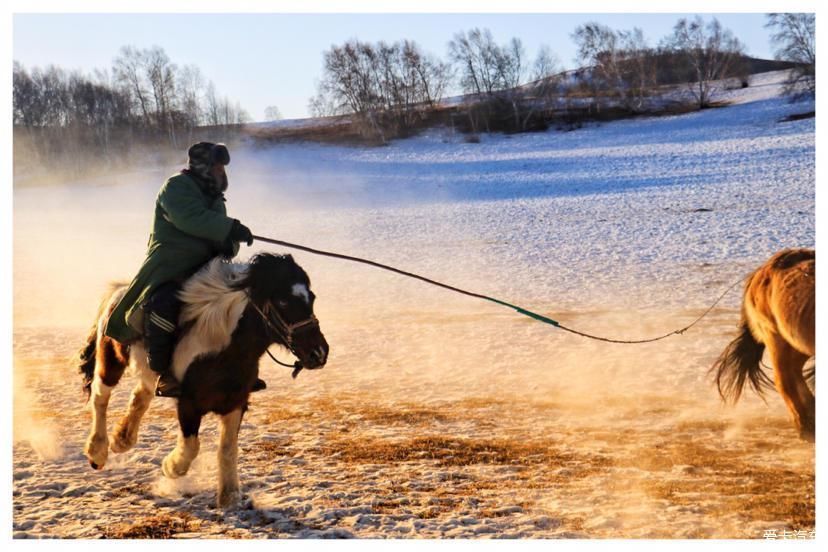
(241, 233)
(229, 248)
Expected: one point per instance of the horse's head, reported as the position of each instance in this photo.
(280, 289)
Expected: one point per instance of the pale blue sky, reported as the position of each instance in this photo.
(275, 59)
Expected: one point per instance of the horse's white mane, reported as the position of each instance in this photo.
(213, 307)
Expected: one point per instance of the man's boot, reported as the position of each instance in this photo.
(160, 316)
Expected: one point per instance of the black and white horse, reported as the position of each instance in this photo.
(231, 314)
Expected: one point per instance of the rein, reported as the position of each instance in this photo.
(521, 310)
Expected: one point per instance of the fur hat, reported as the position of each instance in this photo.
(206, 154)
(202, 156)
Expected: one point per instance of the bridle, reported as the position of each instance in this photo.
(286, 331)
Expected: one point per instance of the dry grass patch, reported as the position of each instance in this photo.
(696, 426)
(276, 414)
(132, 490)
(388, 413)
(269, 449)
(161, 526)
(755, 493)
(684, 452)
(389, 505)
(482, 403)
(448, 451)
(404, 414)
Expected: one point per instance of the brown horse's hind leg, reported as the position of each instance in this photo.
(126, 432)
(110, 362)
(791, 384)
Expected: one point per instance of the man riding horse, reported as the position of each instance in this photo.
(189, 228)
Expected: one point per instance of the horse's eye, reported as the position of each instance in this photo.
(282, 304)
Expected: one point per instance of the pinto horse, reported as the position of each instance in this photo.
(778, 314)
(231, 314)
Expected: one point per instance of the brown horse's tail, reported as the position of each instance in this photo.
(741, 361)
(85, 360)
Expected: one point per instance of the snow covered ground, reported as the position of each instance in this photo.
(437, 415)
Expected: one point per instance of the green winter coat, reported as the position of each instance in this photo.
(190, 227)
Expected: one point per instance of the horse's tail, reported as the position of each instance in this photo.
(741, 361)
(85, 360)
(809, 373)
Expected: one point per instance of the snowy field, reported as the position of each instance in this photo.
(439, 415)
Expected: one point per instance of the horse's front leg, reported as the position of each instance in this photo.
(126, 432)
(228, 456)
(177, 463)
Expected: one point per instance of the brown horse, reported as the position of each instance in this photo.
(778, 313)
(231, 314)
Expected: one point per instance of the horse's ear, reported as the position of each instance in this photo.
(257, 280)
(289, 257)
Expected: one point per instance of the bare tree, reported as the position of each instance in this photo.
(639, 66)
(323, 104)
(511, 64)
(226, 114)
(347, 77)
(490, 72)
(128, 67)
(26, 100)
(241, 115)
(190, 83)
(620, 62)
(544, 88)
(710, 52)
(795, 39)
(483, 66)
(598, 46)
(546, 63)
(272, 113)
(428, 76)
(160, 72)
(386, 85)
(211, 105)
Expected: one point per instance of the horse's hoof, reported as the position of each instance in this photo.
(228, 499)
(169, 468)
(97, 450)
(121, 443)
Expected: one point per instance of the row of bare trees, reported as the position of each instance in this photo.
(393, 82)
(164, 96)
(619, 68)
(623, 63)
(143, 88)
(144, 99)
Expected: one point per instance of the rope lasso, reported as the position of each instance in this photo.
(520, 310)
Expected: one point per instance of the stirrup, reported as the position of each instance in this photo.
(167, 386)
